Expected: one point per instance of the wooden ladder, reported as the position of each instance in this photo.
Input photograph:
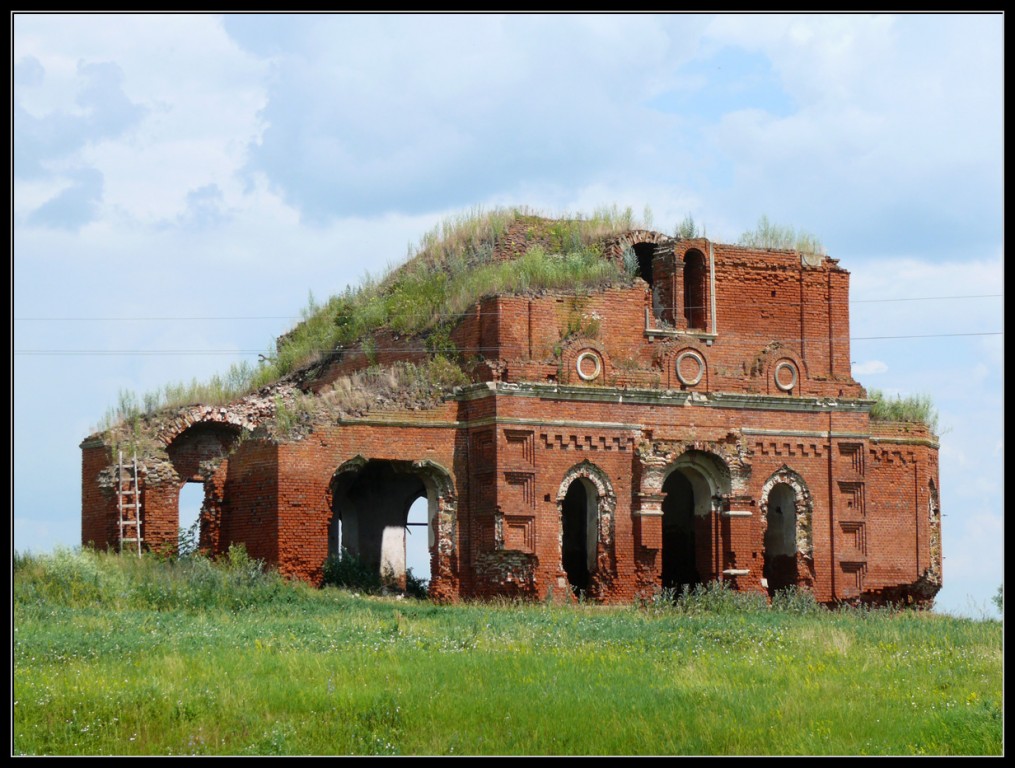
(128, 504)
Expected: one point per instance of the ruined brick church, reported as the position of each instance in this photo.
(697, 423)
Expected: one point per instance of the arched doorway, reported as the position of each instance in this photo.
(192, 501)
(385, 513)
(579, 513)
(680, 566)
(586, 504)
(686, 488)
(788, 546)
(780, 545)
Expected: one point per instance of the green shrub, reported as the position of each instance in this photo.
(415, 586)
(794, 599)
(85, 577)
(714, 597)
(351, 572)
(687, 229)
(718, 597)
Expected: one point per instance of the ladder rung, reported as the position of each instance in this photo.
(131, 539)
(128, 506)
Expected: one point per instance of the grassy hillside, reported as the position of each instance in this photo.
(136, 656)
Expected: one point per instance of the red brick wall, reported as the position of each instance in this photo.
(504, 450)
(508, 455)
(98, 503)
(250, 510)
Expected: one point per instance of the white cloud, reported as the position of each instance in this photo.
(191, 97)
(869, 367)
(884, 106)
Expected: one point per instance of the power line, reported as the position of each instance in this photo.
(398, 349)
(439, 314)
(143, 352)
(154, 319)
(927, 336)
(931, 298)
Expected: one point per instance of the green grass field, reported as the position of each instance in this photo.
(128, 656)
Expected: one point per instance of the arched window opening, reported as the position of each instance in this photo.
(780, 564)
(695, 290)
(579, 513)
(418, 540)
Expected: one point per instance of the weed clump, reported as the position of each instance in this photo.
(348, 571)
(913, 409)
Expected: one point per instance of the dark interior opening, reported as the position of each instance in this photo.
(679, 566)
(575, 536)
(695, 291)
(645, 253)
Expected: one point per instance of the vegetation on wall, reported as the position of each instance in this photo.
(767, 234)
(687, 229)
(914, 409)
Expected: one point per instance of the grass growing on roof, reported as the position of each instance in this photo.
(767, 234)
(451, 268)
(916, 409)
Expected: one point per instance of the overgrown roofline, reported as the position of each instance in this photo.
(459, 262)
(454, 265)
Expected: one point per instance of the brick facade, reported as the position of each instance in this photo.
(701, 424)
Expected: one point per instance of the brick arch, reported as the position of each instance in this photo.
(725, 462)
(193, 450)
(203, 414)
(691, 556)
(434, 475)
(442, 514)
(614, 249)
(606, 498)
(711, 466)
(695, 293)
(803, 507)
(197, 451)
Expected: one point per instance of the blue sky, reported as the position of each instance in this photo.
(175, 172)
